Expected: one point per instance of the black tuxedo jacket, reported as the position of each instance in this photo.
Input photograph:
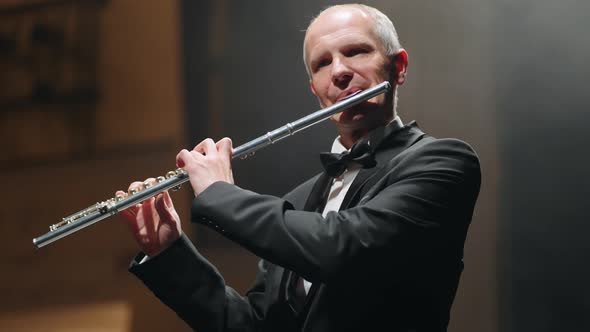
(389, 260)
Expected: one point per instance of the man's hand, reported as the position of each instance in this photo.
(207, 163)
(154, 223)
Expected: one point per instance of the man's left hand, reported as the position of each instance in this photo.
(207, 163)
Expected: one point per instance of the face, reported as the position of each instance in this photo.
(344, 57)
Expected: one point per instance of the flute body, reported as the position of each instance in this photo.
(174, 179)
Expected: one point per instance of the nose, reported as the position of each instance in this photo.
(341, 73)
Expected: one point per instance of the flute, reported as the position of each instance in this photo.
(174, 179)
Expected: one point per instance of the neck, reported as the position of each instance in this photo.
(349, 136)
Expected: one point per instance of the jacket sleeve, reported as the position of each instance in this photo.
(418, 211)
(192, 287)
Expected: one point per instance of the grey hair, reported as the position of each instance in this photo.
(382, 27)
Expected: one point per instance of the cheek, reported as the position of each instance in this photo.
(322, 81)
(376, 68)
(378, 73)
(321, 99)
(322, 91)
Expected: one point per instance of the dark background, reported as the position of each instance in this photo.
(508, 77)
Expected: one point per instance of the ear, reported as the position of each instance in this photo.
(313, 88)
(400, 66)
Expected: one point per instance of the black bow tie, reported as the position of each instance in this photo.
(336, 163)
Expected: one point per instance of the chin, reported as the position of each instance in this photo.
(358, 116)
(359, 121)
(356, 123)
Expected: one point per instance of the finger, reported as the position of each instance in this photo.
(207, 147)
(135, 185)
(182, 158)
(129, 215)
(225, 147)
(165, 207)
(131, 220)
(133, 209)
(148, 182)
(149, 214)
(132, 213)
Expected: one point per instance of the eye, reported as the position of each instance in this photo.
(321, 63)
(356, 51)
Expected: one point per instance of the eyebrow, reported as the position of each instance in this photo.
(361, 44)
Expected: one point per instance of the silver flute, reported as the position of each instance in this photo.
(174, 179)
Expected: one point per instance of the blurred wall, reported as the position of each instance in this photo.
(81, 283)
(542, 48)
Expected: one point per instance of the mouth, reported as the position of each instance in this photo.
(348, 93)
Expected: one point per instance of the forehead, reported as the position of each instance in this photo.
(340, 25)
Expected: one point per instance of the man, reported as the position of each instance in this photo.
(375, 244)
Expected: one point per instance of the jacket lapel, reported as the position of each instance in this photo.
(319, 193)
(388, 145)
(315, 202)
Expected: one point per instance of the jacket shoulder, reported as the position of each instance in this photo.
(444, 155)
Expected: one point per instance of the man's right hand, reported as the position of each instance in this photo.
(154, 223)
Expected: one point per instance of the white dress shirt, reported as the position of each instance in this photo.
(338, 190)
